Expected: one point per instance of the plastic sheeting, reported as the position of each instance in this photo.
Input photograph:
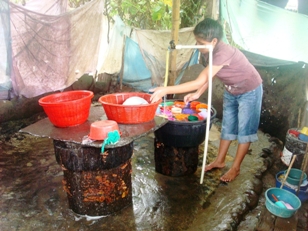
(193, 60)
(5, 47)
(110, 58)
(151, 47)
(137, 75)
(134, 65)
(156, 44)
(268, 30)
(52, 48)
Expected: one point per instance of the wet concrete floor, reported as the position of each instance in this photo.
(32, 196)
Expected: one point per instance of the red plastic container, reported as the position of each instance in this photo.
(68, 108)
(193, 104)
(99, 129)
(128, 114)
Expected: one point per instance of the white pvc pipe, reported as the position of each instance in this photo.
(192, 46)
(209, 99)
(167, 69)
(208, 121)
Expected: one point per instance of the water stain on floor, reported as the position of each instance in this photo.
(33, 197)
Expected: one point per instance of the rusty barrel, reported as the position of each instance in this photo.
(96, 184)
(176, 146)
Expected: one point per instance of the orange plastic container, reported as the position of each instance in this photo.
(193, 104)
(181, 117)
(99, 129)
(179, 104)
(128, 114)
(201, 106)
(69, 108)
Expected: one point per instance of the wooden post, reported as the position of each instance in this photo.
(214, 10)
(175, 37)
(211, 9)
(122, 66)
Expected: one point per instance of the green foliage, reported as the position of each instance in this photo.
(72, 3)
(155, 14)
(191, 12)
(148, 14)
(77, 3)
(18, 1)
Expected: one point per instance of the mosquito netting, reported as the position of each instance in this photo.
(45, 46)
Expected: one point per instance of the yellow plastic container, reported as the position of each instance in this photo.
(304, 131)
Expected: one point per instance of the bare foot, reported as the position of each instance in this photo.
(213, 165)
(230, 175)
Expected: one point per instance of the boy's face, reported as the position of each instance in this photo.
(200, 41)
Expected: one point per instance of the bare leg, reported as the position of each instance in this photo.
(234, 171)
(219, 162)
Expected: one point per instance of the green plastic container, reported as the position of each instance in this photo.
(282, 195)
(295, 175)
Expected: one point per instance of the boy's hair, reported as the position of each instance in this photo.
(208, 29)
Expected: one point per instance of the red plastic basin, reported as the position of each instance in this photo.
(68, 108)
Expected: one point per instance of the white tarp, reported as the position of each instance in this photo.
(268, 30)
(156, 43)
(153, 45)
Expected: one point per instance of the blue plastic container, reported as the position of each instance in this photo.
(295, 175)
(303, 192)
(303, 137)
(282, 195)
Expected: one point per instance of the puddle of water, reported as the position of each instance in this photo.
(33, 197)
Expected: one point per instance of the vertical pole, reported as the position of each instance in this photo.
(209, 104)
(211, 8)
(175, 37)
(214, 10)
(303, 168)
(123, 63)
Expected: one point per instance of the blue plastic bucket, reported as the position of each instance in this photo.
(303, 192)
(282, 195)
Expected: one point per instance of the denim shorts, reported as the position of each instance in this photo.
(241, 115)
